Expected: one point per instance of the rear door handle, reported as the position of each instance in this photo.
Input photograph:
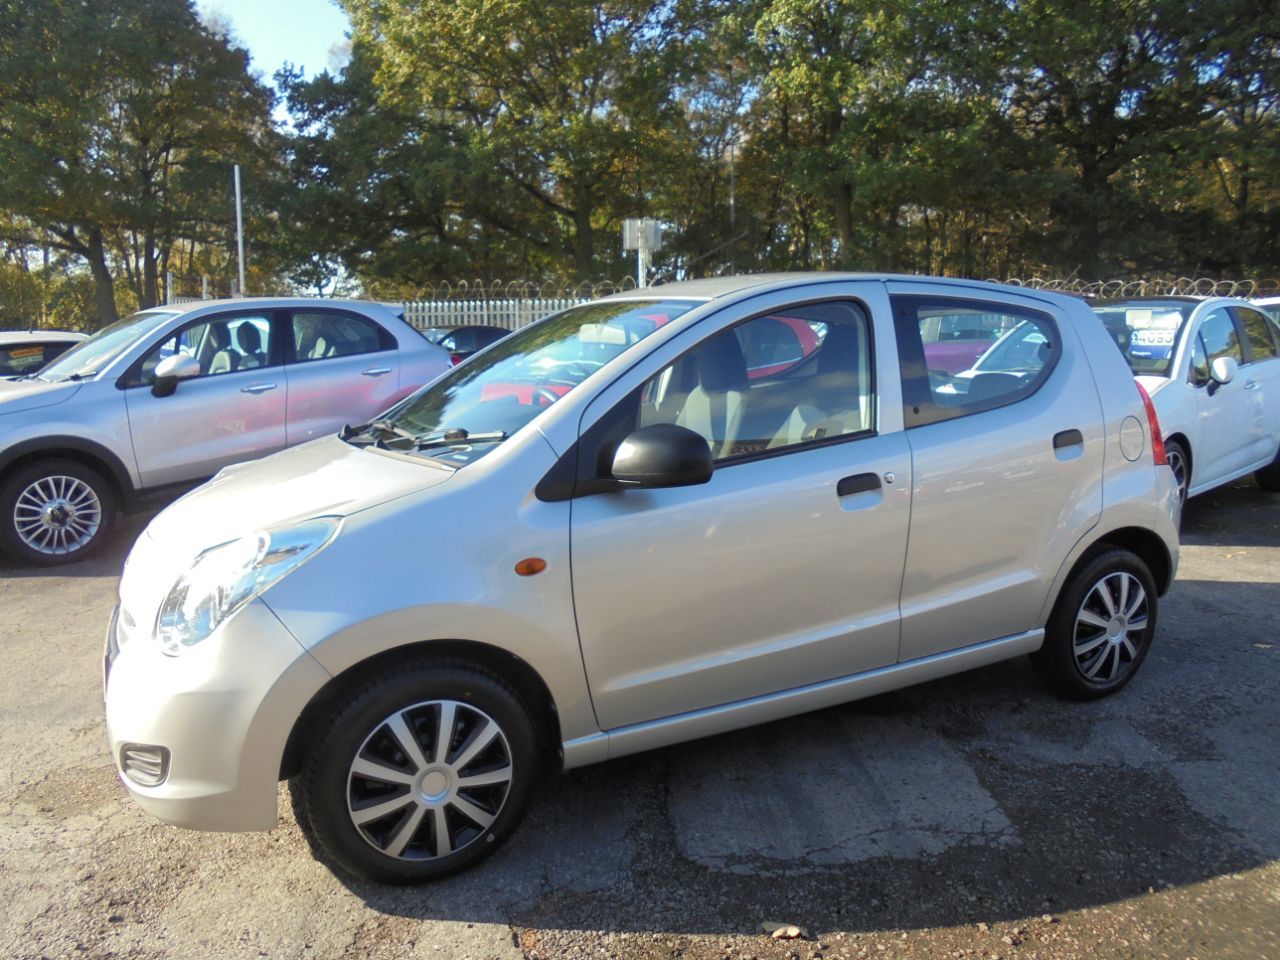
(858, 483)
(375, 371)
(258, 388)
(1068, 438)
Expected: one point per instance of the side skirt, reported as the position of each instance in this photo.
(710, 721)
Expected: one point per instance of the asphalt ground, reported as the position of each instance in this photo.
(978, 816)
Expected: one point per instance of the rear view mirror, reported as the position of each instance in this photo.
(662, 455)
(1223, 370)
(172, 369)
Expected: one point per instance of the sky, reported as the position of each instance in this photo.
(304, 33)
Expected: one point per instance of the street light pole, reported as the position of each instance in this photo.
(239, 231)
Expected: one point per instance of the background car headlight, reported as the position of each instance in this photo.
(226, 577)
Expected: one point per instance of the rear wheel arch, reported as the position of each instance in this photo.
(526, 681)
(1144, 544)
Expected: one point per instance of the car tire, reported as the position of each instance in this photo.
(1180, 464)
(377, 804)
(1101, 627)
(55, 511)
(1269, 477)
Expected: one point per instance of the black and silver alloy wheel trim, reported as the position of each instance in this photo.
(429, 780)
(1178, 463)
(1109, 627)
(57, 515)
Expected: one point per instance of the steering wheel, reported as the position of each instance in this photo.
(544, 396)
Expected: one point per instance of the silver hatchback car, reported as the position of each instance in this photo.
(171, 395)
(651, 518)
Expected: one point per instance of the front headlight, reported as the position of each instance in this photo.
(226, 577)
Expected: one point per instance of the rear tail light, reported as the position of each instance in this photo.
(1153, 422)
(455, 358)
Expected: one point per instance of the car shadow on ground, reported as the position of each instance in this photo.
(976, 797)
(1240, 514)
(105, 562)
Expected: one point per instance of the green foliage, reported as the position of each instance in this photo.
(118, 124)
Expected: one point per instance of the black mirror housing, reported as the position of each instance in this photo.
(662, 455)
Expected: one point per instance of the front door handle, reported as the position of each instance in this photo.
(858, 483)
(1067, 438)
(375, 371)
(258, 388)
(1251, 384)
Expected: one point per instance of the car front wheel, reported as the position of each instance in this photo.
(55, 511)
(420, 773)
(1101, 628)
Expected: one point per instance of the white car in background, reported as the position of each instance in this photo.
(1270, 306)
(1212, 368)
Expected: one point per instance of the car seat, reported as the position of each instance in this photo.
(250, 342)
(837, 404)
(224, 359)
(714, 407)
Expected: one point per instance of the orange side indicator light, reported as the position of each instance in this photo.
(530, 566)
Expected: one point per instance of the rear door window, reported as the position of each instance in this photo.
(1259, 331)
(326, 334)
(941, 385)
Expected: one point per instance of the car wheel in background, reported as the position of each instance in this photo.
(1269, 477)
(419, 773)
(1180, 464)
(1101, 627)
(55, 511)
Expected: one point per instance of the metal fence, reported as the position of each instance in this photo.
(511, 314)
(1181, 286)
(498, 304)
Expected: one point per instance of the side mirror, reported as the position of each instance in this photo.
(662, 455)
(1223, 370)
(172, 369)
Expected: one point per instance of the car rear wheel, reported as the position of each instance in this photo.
(54, 512)
(1180, 464)
(1101, 628)
(420, 773)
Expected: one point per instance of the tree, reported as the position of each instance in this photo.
(118, 123)
(566, 100)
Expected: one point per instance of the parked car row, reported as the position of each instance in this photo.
(654, 517)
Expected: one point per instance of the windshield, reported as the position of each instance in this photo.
(1146, 332)
(88, 357)
(486, 399)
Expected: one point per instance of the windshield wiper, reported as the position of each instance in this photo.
(457, 437)
(390, 433)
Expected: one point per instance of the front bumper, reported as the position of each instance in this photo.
(224, 711)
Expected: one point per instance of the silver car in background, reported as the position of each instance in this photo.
(170, 396)
(651, 518)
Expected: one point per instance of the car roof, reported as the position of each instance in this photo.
(268, 303)
(10, 337)
(1108, 301)
(714, 288)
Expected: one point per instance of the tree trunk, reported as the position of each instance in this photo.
(103, 286)
(844, 222)
(583, 239)
(150, 287)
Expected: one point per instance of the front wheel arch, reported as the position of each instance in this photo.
(527, 682)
